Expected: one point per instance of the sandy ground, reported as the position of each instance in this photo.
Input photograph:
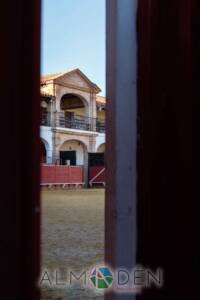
(72, 237)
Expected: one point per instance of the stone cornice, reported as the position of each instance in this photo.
(74, 132)
(75, 87)
(55, 78)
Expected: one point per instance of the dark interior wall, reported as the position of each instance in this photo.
(164, 149)
(20, 148)
(71, 102)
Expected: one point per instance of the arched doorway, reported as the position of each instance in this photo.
(74, 153)
(97, 158)
(76, 112)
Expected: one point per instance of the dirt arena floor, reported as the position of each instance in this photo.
(72, 238)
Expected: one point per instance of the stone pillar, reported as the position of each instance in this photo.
(49, 156)
(92, 143)
(92, 111)
(57, 101)
(56, 148)
(85, 168)
(56, 156)
(51, 111)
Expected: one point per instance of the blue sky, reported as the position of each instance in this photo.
(73, 36)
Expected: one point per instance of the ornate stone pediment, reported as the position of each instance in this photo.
(76, 79)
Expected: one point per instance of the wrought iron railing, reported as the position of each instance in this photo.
(100, 126)
(74, 122)
(45, 119)
(78, 122)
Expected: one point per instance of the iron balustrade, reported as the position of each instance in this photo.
(45, 119)
(100, 126)
(75, 122)
(78, 122)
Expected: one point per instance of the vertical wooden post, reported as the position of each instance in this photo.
(164, 150)
(20, 149)
(121, 136)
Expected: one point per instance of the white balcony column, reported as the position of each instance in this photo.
(92, 111)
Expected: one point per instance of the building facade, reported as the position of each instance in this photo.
(72, 120)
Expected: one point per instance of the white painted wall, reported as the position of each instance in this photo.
(100, 139)
(46, 136)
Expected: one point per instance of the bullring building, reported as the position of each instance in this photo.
(72, 120)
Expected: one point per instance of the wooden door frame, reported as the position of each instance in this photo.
(20, 131)
(161, 92)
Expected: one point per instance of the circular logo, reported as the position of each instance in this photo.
(101, 277)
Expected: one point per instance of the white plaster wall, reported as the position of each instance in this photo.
(75, 146)
(46, 136)
(100, 139)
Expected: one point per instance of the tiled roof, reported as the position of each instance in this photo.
(55, 75)
(50, 76)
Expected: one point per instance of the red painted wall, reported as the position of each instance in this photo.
(61, 174)
(93, 171)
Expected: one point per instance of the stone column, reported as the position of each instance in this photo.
(50, 110)
(56, 148)
(49, 158)
(92, 111)
(92, 143)
(85, 168)
(57, 101)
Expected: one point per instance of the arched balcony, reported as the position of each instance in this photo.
(75, 113)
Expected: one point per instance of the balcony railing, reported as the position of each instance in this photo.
(45, 119)
(74, 122)
(100, 126)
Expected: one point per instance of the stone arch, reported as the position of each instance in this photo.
(101, 148)
(73, 152)
(75, 104)
(44, 150)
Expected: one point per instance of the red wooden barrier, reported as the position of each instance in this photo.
(61, 174)
(97, 174)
